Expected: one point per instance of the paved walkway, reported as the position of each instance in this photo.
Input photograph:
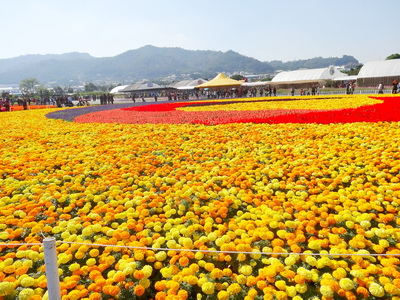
(70, 114)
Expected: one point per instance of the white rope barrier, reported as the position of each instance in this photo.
(51, 263)
(212, 251)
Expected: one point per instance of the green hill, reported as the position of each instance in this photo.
(148, 62)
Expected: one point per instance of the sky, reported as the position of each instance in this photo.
(267, 30)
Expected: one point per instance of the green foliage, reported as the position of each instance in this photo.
(29, 86)
(237, 77)
(393, 56)
(43, 92)
(90, 87)
(354, 71)
(58, 90)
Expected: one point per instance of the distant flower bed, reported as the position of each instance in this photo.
(29, 107)
(322, 110)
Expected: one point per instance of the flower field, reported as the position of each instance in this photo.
(228, 199)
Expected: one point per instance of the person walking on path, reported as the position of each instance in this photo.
(394, 89)
(380, 88)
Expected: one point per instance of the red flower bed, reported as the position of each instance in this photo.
(166, 113)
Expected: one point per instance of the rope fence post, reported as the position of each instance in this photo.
(50, 260)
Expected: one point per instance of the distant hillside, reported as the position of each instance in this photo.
(315, 63)
(147, 62)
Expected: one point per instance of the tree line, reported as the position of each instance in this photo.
(31, 87)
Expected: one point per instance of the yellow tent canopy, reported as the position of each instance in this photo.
(221, 80)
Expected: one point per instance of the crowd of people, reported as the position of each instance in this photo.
(6, 103)
(105, 98)
(240, 92)
(170, 95)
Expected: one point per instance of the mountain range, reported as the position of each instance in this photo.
(145, 63)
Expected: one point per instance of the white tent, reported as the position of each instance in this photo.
(118, 89)
(143, 87)
(256, 83)
(380, 68)
(346, 78)
(188, 84)
(374, 72)
(307, 76)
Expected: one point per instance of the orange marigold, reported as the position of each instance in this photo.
(138, 274)
(21, 270)
(139, 290)
(119, 276)
(161, 296)
(160, 285)
(95, 296)
(183, 261)
(111, 290)
(363, 292)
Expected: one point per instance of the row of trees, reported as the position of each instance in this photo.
(31, 87)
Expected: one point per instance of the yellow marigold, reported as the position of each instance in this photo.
(301, 288)
(326, 291)
(245, 270)
(376, 290)
(91, 262)
(209, 267)
(223, 295)
(145, 282)
(9, 269)
(74, 295)
(216, 273)
(234, 288)
(161, 256)
(191, 279)
(281, 295)
(290, 261)
(241, 279)
(291, 291)
(346, 284)
(73, 267)
(6, 288)
(27, 281)
(208, 288)
(94, 252)
(241, 257)
(391, 289)
(280, 284)
(26, 294)
(339, 273)
(147, 270)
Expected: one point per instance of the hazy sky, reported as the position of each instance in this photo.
(264, 29)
